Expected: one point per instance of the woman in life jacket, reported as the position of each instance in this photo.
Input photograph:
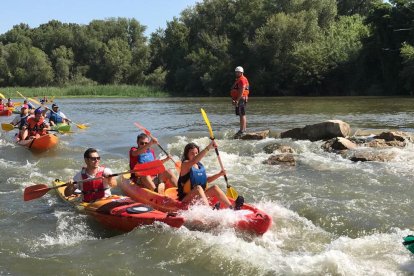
(35, 126)
(144, 153)
(95, 189)
(193, 180)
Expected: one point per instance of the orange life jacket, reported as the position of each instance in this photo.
(36, 127)
(234, 93)
(95, 189)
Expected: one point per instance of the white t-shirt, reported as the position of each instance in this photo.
(78, 177)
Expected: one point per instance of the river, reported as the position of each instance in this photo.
(331, 216)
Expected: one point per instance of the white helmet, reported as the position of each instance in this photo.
(239, 69)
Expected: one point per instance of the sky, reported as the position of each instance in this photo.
(151, 13)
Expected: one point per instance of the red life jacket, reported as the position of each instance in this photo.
(234, 93)
(93, 190)
(36, 127)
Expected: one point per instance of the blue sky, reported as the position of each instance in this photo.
(151, 13)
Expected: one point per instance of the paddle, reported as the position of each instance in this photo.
(38, 190)
(147, 132)
(80, 126)
(7, 127)
(2, 96)
(231, 192)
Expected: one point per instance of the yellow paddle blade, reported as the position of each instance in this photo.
(51, 99)
(10, 108)
(231, 193)
(18, 104)
(7, 127)
(35, 101)
(203, 113)
(81, 126)
(2, 96)
(20, 94)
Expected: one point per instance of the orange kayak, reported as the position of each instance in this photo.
(42, 143)
(6, 113)
(119, 212)
(253, 220)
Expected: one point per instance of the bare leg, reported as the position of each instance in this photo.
(195, 194)
(148, 183)
(169, 176)
(243, 123)
(215, 191)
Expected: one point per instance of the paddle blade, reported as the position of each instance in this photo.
(80, 126)
(7, 127)
(146, 131)
(2, 96)
(35, 101)
(231, 193)
(204, 114)
(35, 191)
(18, 104)
(150, 168)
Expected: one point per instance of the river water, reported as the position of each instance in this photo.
(331, 216)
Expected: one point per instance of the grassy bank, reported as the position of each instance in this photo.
(85, 91)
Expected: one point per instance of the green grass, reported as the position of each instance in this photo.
(85, 91)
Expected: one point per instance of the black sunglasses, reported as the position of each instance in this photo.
(143, 143)
(94, 158)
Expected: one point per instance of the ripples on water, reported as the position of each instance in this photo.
(331, 216)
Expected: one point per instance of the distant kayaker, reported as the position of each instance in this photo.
(21, 120)
(29, 104)
(1, 104)
(35, 125)
(193, 180)
(54, 115)
(144, 153)
(95, 189)
(9, 103)
(239, 94)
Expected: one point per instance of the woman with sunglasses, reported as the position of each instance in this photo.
(95, 189)
(144, 153)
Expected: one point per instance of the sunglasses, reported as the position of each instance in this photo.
(94, 158)
(143, 143)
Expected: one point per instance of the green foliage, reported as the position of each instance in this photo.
(86, 91)
(287, 47)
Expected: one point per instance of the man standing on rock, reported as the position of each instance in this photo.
(239, 94)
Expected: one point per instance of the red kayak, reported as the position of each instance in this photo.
(253, 220)
(40, 144)
(121, 213)
(6, 113)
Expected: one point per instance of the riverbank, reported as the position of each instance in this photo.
(136, 91)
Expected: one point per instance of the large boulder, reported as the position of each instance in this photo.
(321, 131)
(281, 159)
(394, 136)
(364, 156)
(259, 135)
(278, 147)
(338, 144)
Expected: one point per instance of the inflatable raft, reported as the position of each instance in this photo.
(253, 220)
